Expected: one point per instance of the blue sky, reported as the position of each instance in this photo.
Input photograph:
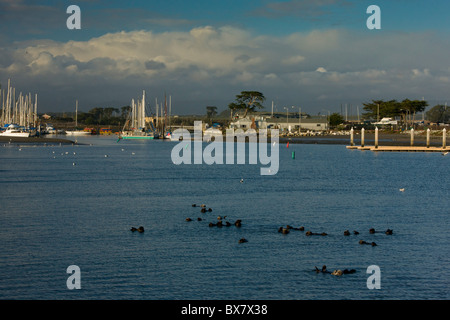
(317, 54)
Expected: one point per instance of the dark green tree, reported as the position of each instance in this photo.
(335, 119)
(378, 109)
(247, 101)
(211, 112)
(439, 113)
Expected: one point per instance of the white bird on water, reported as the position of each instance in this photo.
(242, 180)
(445, 153)
(402, 190)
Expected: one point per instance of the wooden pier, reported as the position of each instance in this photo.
(411, 148)
(400, 149)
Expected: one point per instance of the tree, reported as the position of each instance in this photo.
(211, 112)
(439, 113)
(125, 111)
(378, 109)
(335, 119)
(108, 112)
(248, 101)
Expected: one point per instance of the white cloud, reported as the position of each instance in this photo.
(220, 62)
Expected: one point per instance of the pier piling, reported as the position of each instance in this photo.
(362, 137)
(444, 138)
(352, 142)
(376, 137)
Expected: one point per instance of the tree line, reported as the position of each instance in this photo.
(406, 110)
(100, 116)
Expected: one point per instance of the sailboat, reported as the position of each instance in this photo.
(77, 132)
(134, 127)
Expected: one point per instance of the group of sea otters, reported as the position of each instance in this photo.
(282, 230)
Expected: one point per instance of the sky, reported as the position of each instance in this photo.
(316, 55)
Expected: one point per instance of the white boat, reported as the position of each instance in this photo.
(50, 129)
(78, 133)
(14, 131)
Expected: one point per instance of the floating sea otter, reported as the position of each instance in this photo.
(140, 229)
(373, 244)
(309, 233)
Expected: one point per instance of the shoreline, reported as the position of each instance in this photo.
(36, 140)
(384, 140)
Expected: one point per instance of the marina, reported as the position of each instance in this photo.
(222, 158)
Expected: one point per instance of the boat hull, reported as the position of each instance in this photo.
(15, 134)
(138, 138)
(78, 133)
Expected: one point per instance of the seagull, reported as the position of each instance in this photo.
(445, 153)
(242, 180)
(402, 190)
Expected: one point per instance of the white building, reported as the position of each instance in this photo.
(283, 124)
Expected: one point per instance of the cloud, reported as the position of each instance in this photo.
(154, 65)
(209, 66)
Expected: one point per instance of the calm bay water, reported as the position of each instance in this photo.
(55, 214)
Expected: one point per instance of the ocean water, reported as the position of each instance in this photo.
(54, 214)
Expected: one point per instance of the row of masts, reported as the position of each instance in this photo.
(162, 116)
(163, 111)
(21, 111)
(138, 113)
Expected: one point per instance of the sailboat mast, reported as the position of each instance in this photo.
(165, 112)
(143, 110)
(76, 113)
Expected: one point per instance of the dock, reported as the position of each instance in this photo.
(400, 149)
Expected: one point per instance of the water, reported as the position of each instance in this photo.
(55, 214)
